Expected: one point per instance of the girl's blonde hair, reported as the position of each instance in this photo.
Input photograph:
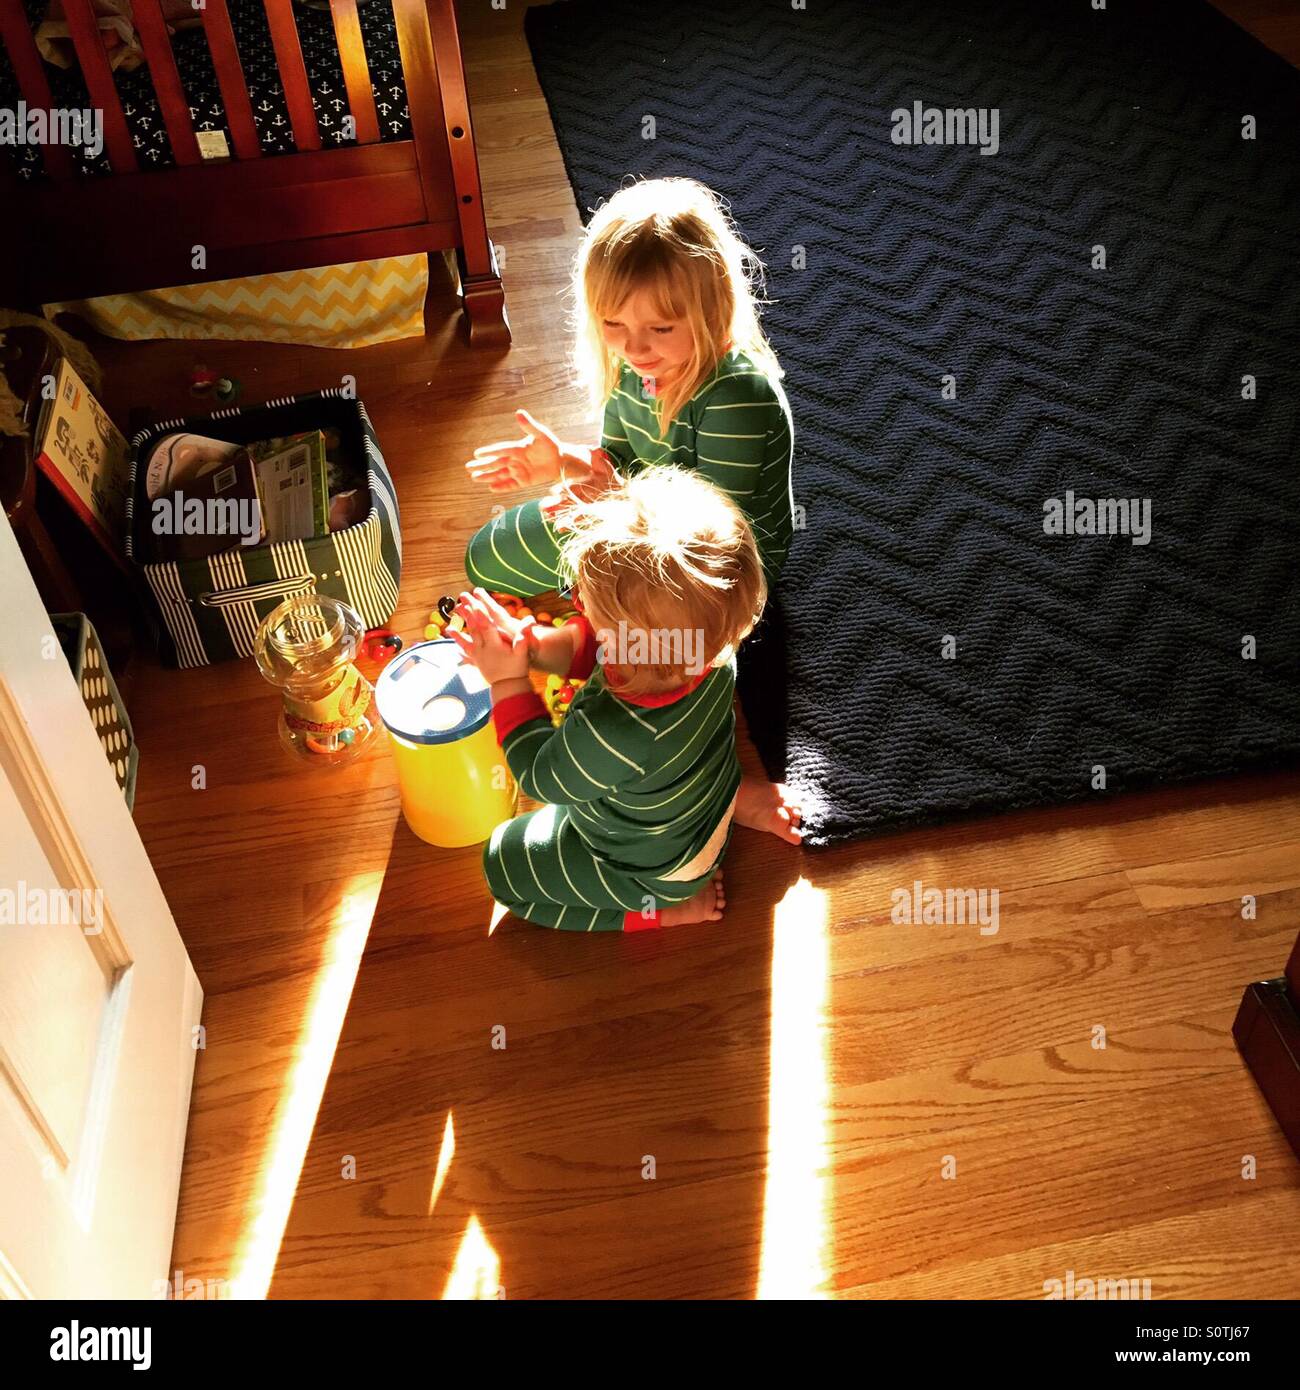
(665, 553)
(675, 239)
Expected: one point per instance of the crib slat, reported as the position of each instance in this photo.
(166, 81)
(356, 70)
(93, 58)
(30, 72)
(479, 257)
(230, 78)
(424, 98)
(293, 73)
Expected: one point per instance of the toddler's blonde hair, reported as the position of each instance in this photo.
(665, 552)
(673, 238)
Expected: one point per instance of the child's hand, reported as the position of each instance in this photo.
(527, 462)
(600, 478)
(604, 476)
(494, 641)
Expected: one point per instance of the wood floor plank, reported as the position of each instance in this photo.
(1240, 1250)
(1218, 878)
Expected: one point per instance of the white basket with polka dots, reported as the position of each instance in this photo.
(104, 705)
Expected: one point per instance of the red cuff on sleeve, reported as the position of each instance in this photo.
(636, 921)
(584, 659)
(514, 710)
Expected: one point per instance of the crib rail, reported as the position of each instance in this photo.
(71, 237)
(164, 76)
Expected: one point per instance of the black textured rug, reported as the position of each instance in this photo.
(934, 650)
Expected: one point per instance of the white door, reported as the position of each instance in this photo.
(98, 1000)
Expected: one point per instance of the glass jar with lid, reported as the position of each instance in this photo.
(307, 648)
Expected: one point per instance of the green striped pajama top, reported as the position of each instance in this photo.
(736, 430)
(646, 785)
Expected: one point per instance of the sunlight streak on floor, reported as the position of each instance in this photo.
(794, 1259)
(476, 1272)
(259, 1244)
(445, 1154)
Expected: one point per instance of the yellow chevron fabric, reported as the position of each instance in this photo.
(340, 306)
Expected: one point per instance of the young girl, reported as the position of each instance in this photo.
(641, 778)
(670, 344)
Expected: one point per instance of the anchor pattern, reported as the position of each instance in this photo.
(262, 78)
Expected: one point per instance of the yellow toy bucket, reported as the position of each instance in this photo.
(456, 787)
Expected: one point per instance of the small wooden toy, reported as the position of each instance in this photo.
(559, 692)
(443, 619)
(202, 379)
(559, 695)
(516, 607)
(379, 646)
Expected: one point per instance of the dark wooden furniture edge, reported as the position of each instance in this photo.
(1267, 1034)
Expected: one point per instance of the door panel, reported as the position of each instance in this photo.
(98, 1000)
(53, 988)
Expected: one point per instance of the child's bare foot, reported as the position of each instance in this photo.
(707, 905)
(769, 806)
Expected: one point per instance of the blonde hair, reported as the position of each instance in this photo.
(665, 553)
(673, 238)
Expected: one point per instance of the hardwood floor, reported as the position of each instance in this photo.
(830, 1102)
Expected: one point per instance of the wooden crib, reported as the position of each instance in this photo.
(72, 235)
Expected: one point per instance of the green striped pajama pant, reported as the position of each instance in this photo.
(515, 553)
(538, 867)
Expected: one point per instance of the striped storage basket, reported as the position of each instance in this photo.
(210, 609)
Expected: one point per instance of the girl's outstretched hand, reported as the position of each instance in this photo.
(493, 641)
(517, 463)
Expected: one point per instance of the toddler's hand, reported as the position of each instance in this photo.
(601, 477)
(517, 463)
(494, 641)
